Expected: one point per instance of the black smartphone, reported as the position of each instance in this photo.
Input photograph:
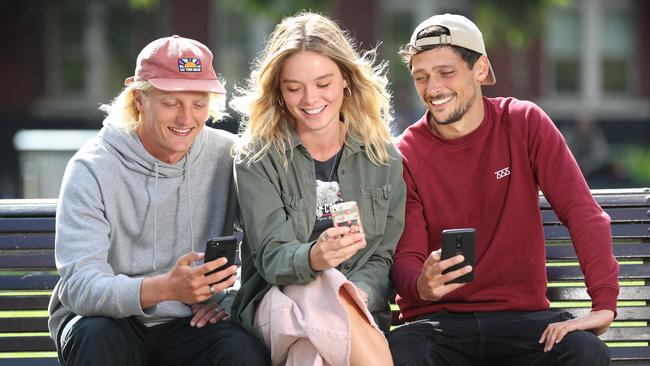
(223, 246)
(459, 241)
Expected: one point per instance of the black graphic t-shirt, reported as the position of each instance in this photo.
(327, 193)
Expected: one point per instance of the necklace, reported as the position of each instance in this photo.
(329, 179)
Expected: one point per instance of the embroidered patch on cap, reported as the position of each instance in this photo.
(189, 65)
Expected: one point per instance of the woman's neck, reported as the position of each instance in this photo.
(322, 146)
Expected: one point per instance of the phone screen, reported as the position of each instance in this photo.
(224, 246)
(459, 241)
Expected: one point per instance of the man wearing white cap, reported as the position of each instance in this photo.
(137, 204)
(477, 162)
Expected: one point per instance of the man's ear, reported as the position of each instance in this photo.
(137, 99)
(481, 69)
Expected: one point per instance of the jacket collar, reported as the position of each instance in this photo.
(352, 145)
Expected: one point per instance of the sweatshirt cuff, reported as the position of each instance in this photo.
(304, 272)
(414, 295)
(132, 291)
(604, 298)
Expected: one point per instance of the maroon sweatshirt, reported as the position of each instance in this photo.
(489, 180)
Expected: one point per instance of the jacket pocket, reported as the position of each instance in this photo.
(375, 208)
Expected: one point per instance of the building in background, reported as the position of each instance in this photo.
(64, 58)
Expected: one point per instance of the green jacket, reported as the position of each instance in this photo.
(278, 212)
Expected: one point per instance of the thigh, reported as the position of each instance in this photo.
(512, 338)
(581, 348)
(104, 341)
(439, 341)
(221, 343)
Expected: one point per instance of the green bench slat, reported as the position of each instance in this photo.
(24, 302)
(35, 281)
(27, 344)
(27, 241)
(23, 324)
(26, 224)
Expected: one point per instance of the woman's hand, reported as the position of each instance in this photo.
(334, 246)
(204, 313)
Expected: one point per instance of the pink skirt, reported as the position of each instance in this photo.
(307, 324)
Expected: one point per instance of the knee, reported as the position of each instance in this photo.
(94, 340)
(98, 332)
(405, 347)
(246, 348)
(583, 348)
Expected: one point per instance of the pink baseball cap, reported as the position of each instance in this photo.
(177, 64)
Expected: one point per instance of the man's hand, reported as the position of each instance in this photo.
(596, 321)
(431, 283)
(186, 283)
(204, 313)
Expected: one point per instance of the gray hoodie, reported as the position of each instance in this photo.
(123, 215)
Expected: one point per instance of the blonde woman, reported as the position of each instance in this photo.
(315, 133)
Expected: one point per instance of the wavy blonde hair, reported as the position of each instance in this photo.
(123, 112)
(266, 125)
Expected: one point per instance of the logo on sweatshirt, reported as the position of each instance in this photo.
(502, 173)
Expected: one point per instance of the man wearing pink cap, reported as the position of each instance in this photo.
(136, 206)
(476, 162)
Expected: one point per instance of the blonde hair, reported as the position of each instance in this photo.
(367, 111)
(123, 112)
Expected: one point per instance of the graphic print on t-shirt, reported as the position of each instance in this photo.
(327, 194)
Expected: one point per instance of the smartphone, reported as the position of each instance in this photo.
(223, 246)
(346, 214)
(459, 241)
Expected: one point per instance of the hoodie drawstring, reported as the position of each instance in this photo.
(189, 203)
(155, 213)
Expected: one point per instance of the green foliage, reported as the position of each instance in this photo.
(512, 20)
(637, 163)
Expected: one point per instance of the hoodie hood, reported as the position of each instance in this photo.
(128, 148)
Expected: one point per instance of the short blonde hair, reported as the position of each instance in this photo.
(367, 111)
(124, 113)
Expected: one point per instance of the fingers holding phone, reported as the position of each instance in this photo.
(459, 244)
(432, 285)
(221, 254)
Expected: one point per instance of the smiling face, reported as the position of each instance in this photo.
(312, 89)
(448, 87)
(170, 121)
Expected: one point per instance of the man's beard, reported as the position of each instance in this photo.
(455, 116)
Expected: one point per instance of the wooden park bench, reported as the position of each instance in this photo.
(630, 212)
(28, 274)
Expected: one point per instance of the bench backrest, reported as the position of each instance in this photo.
(28, 274)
